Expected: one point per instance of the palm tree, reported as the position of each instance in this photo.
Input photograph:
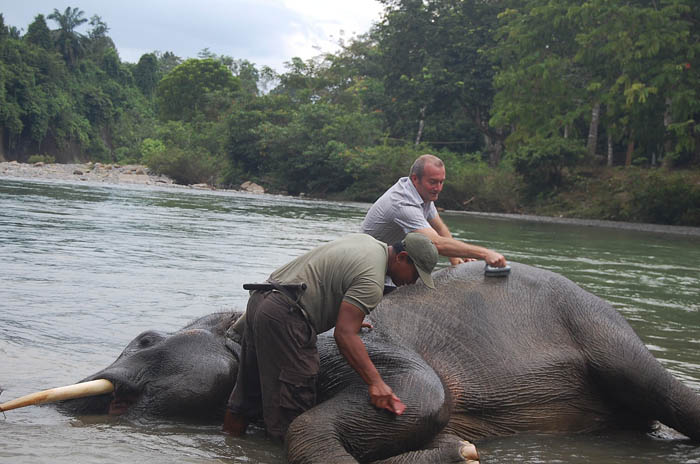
(69, 42)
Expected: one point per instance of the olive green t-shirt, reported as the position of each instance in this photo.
(350, 269)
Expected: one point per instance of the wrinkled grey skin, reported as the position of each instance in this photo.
(478, 357)
(188, 374)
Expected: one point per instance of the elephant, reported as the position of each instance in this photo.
(478, 357)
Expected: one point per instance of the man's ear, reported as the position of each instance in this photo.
(403, 256)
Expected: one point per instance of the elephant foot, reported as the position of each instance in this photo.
(469, 452)
(446, 449)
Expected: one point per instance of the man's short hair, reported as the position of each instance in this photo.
(399, 247)
(418, 167)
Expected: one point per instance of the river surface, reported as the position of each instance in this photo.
(87, 267)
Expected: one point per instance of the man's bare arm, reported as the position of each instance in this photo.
(443, 231)
(346, 336)
(448, 246)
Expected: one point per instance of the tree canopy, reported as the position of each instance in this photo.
(189, 88)
(520, 94)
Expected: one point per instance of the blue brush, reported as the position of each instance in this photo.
(491, 271)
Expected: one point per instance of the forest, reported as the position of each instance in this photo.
(569, 107)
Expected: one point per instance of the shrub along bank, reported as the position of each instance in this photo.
(633, 194)
(524, 123)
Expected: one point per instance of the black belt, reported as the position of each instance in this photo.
(266, 287)
(292, 291)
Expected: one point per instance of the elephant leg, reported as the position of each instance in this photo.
(630, 378)
(346, 428)
(445, 449)
(312, 437)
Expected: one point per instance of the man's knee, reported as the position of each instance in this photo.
(296, 394)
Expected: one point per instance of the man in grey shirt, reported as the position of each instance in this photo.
(408, 206)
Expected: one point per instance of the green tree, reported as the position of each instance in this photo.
(540, 93)
(69, 42)
(167, 62)
(643, 45)
(4, 33)
(565, 66)
(542, 160)
(146, 74)
(436, 73)
(306, 153)
(188, 152)
(38, 33)
(248, 75)
(244, 70)
(97, 39)
(99, 28)
(402, 39)
(463, 71)
(303, 81)
(193, 86)
(87, 110)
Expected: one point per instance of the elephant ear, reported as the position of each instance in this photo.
(234, 333)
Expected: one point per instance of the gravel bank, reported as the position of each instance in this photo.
(89, 172)
(137, 174)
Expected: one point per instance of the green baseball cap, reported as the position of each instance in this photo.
(423, 254)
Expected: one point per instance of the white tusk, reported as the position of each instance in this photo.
(78, 390)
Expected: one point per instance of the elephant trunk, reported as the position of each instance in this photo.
(78, 390)
(682, 409)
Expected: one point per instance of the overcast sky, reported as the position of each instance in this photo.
(265, 32)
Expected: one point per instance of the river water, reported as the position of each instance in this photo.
(86, 267)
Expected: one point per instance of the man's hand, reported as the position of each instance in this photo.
(348, 324)
(457, 261)
(454, 249)
(383, 397)
(495, 259)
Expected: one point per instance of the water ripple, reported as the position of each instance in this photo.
(86, 268)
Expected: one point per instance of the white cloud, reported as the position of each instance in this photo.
(265, 32)
(327, 22)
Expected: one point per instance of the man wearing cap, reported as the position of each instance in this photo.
(344, 283)
(408, 206)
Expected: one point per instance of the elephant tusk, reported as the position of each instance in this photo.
(78, 390)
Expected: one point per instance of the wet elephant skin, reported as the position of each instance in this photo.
(478, 357)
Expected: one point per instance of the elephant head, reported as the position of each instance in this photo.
(185, 374)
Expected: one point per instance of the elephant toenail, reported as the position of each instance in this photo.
(469, 452)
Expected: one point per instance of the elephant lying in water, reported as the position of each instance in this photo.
(478, 357)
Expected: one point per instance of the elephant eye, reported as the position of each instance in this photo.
(148, 339)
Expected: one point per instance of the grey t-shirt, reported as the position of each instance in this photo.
(350, 269)
(399, 211)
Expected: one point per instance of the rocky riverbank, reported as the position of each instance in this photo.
(88, 172)
(140, 175)
(104, 173)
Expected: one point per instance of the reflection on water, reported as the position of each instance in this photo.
(612, 448)
(88, 267)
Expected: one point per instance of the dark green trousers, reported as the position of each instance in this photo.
(279, 364)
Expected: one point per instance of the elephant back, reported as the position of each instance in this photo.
(503, 316)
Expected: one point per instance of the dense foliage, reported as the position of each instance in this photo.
(525, 100)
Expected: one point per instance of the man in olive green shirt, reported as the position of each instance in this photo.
(344, 282)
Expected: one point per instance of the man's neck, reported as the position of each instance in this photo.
(413, 186)
(390, 256)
